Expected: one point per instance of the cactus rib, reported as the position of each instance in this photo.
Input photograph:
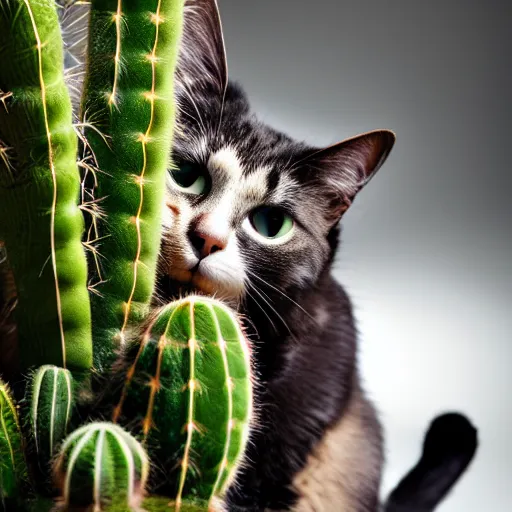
(39, 188)
(129, 96)
(190, 425)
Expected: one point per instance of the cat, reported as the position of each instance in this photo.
(253, 218)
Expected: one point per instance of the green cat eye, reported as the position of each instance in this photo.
(190, 177)
(271, 222)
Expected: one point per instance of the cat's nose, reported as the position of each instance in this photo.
(206, 244)
(206, 239)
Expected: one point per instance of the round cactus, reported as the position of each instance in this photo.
(51, 404)
(13, 470)
(103, 467)
(190, 380)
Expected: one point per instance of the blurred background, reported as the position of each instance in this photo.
(427, 246)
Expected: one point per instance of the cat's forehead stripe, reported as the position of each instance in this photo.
(226, 159)
(254, 185)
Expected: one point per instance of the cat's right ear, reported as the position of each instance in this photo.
(202, 58)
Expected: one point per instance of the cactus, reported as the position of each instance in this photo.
(186, 384)
(103, 467)
(51, 405)
(128, 98)
(13, 470)
(189, 378)
(39, 186)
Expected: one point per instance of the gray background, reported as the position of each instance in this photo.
(427, 246)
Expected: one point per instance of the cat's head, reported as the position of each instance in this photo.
(249, 210)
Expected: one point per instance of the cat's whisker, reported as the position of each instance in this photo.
(262, 309)
(256, 276)
(272, 308)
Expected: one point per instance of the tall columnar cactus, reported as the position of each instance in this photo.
(41, 223)
(102, 467)
(51, 406)
(13, 470)
(189, 379)
(129, 106)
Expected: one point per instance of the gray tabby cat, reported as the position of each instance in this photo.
(253, 217)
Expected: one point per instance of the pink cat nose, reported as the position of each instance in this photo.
(206, 243)
(208, 234)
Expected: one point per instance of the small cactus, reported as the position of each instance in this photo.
(51, 405)
(190, 380)
(102, 467)
(13, 470)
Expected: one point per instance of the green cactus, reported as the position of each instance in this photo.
(103, 467)
(51, 405)
(187, 382)
(13, 470)
(190, 380)
(129, 105)
(39, 186)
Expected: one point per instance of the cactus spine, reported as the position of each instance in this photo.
(129, 99)
(51, 406)
(13, 471)
(101, 466)
(191, 377)
(39, 186)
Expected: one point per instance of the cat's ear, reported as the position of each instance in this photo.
(340, 171)
(202, 58)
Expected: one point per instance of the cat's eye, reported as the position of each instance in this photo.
(271, 222)
(190, 177)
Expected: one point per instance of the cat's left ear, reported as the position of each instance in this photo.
(340, 171)
(202, 57)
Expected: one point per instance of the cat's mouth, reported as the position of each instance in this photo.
(204, 278)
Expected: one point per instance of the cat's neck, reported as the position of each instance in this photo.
(283, 321)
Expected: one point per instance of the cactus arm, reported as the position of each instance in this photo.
(39, 186)
(129, 99)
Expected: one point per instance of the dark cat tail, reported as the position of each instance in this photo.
(449, 447)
